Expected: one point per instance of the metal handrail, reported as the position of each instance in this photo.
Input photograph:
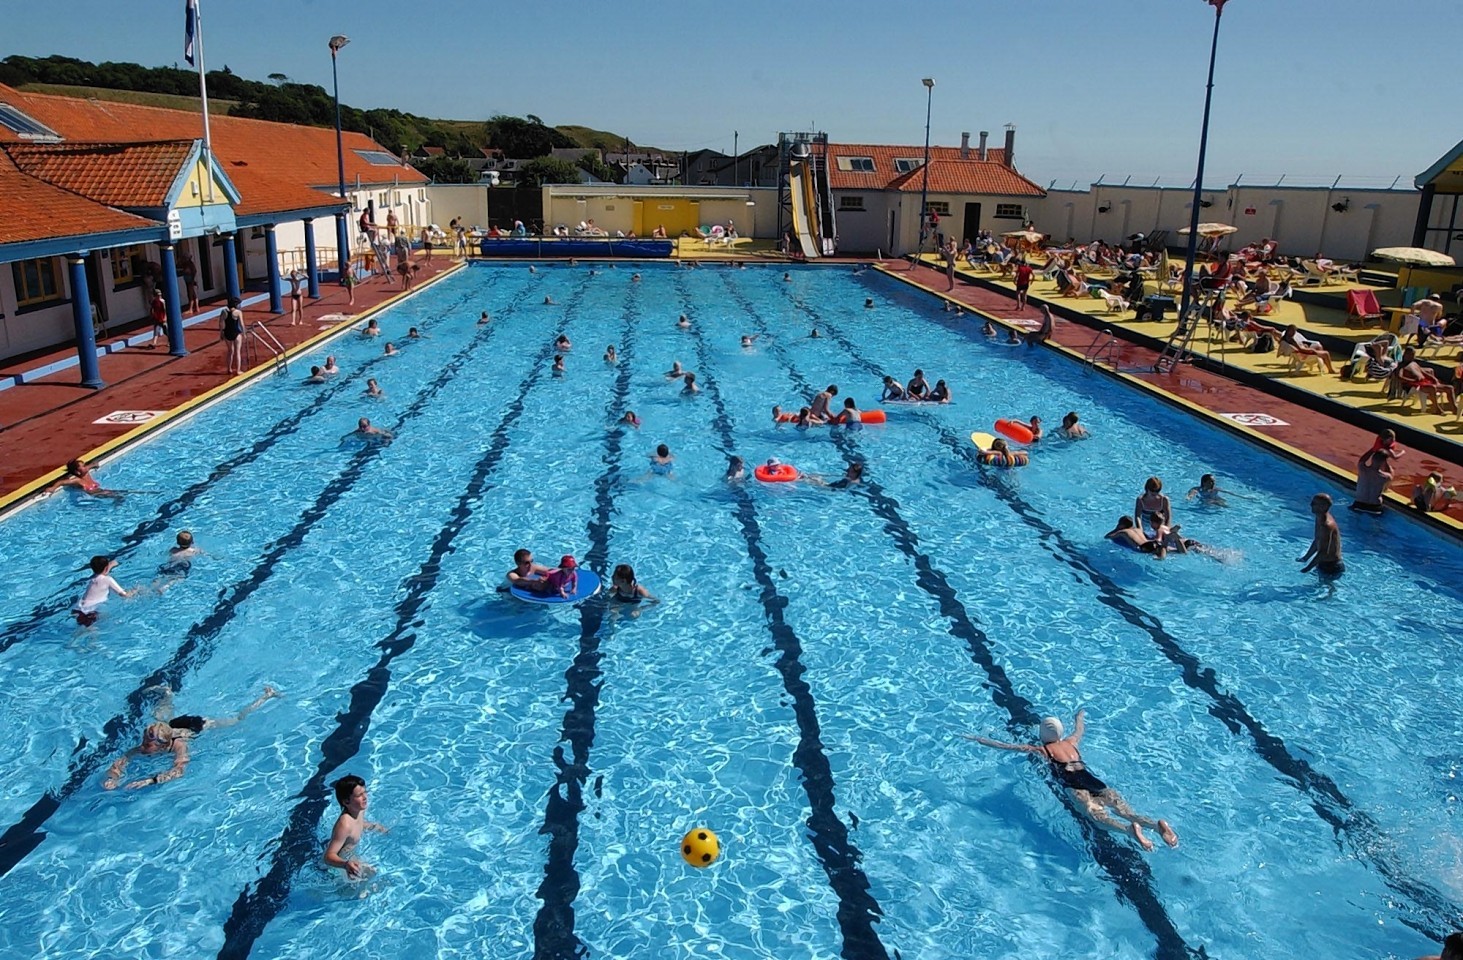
(1096, 350)
(260, 334)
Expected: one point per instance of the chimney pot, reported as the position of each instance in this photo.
(965, 145)
(983, 154)
(1010, 157)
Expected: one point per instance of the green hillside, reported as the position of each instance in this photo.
(170, 101)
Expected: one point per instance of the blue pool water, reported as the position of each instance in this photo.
(801, 688)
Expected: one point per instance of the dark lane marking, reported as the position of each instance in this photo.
(554, 937)
(840, 857)
(1356, 831)
(24, 836)
(1125, 866)
(254, 909)
(60, 601)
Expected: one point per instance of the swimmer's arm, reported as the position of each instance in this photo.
(647, 594)
(179, 767)
(1079, 727)
(1310, 552)
(988, 742)
(378, 827)
(338, 838)
(118, 767)
(1193, 492)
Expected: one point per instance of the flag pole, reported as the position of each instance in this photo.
(203, 93)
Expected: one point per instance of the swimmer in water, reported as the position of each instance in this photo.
(868, 303)
(484, 318)
(563, 579)
(562, 344)
(330, 369)
(675, 372)
(662, 462)
(634, 278)
(683, 322)
(893, 389)
(390, 349)
(1324, 552)
(787, 278)
(373, 389)
(610, 355)
(631, 419)
(316, 376)
(170, 734)
(940, 394)
(79, 477)
(179, 563)
(819, 407)
(747, 340)
(1011, 336)
(1152, 507)
(525, 572)
(413, 334)
(373, 329)
(350, 826)
(1208, 491)
(1104, 805)
(1128, 534)
(549, 302)
(815, 335)
(624, 588)
(87, 608)
(558, 367)
(988, 330)
(365, 431)
(1071, 429)
(736, 469)
(1035, 426)
(690, 386)
(919, 387)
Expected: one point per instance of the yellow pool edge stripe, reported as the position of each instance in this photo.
(194, 404)
(1441, 521)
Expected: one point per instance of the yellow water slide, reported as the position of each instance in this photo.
(804, 207)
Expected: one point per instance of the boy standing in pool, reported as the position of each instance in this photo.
(1324, 553)
(350, 793)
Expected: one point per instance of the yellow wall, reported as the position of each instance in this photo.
(198, 180)
(675, 215)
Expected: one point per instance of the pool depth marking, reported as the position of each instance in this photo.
(25, 835)
(61, 600)
(554, 937)
(1364, 836)
(839, 856)
(299, 844)
(1129, 872)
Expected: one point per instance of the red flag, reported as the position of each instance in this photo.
(1217, 4)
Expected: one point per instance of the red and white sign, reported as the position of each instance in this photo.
(129, 418)
(1249, 211)
(1255, 419)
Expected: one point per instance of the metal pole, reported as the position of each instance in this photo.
(1187, 295)
(736, 161)
(335, 44)
(924, 190)
(203, 96)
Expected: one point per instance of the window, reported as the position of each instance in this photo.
(28, 128)
(377, 158)
(126, 265)
(850, 203)
(938, 207)
(856, 164)
(36, 282)
(906, 164)
(1010, 211)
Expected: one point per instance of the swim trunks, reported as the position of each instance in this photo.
(1331, 569)
(190, 722)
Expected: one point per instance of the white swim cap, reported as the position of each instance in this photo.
(1051, 730)
(774, 462)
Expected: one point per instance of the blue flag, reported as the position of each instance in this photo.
(190, 29)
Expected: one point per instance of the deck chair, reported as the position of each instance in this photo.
(1399, 390)
(1345, 274)
(1115, 303)
(1362, 309)
(1313, 276)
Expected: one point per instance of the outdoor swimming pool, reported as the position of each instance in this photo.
(800, 690)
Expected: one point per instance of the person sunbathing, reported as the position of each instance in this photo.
(1413, 376)
(1303, 348)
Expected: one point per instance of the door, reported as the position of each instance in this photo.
(94, 274)
(971, 226)
(205, 264)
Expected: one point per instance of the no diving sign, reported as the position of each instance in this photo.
(1255, 419)
(129, 418)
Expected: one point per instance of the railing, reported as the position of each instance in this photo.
(259, 335)
(1099, 350)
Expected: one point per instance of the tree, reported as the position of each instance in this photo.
(591, 163)
(521, 138)
(542, 170)
(279, 78)
(447, 169)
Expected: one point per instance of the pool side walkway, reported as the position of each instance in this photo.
(47, 420)
(1302, 434)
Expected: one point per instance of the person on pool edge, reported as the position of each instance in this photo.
(1102, 803)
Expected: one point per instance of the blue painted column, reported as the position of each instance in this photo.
(312, 267)
(175, 305)
(271, 251)
(231, 268)
(342, 243)
(86, 337)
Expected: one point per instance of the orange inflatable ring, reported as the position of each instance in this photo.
(781, 473)
(1019, 432)
(871, 416)
(787, 418)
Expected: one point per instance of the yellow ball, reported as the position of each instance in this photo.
(700, 848)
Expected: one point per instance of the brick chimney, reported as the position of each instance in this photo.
(1011, 145)
(965, 145)
(983, 154)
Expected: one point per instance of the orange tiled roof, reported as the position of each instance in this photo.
(117, 174)
(968, 176)
(976, 176)
(33, 210)
(281, 152)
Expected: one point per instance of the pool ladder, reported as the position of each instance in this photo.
(259, 335)
(1102, 349)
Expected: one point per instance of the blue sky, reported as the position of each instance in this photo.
(1303, 88)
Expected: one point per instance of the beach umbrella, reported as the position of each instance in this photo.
(1413, 257)
(1212, 230)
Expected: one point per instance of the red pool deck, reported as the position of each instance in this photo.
(1308, 436)
(47, 422)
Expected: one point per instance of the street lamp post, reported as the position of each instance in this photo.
(1187, 295)
(924, 190)
(342, 232)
